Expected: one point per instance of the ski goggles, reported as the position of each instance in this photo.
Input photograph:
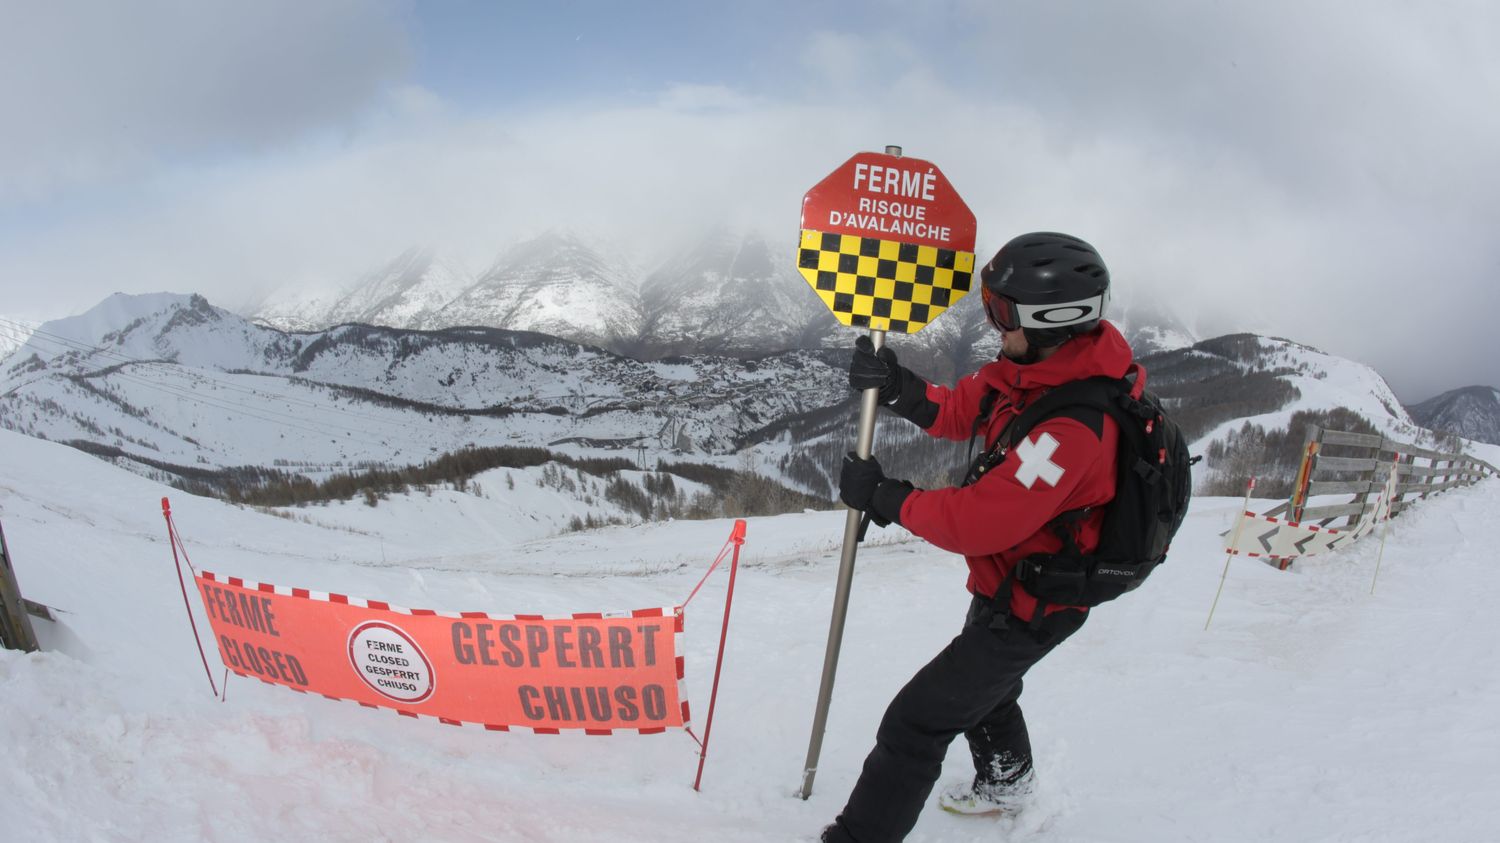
(1003, 312)
(1007, 314)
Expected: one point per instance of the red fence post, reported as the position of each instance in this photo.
(738, 538)
(166, 512)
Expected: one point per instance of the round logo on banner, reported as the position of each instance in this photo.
(390, 662)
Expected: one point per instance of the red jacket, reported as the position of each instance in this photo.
(1064, 463)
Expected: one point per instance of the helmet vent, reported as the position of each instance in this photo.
(1092, 270)
(1042, 262)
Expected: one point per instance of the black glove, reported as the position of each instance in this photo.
(871, 369)
(864, 486)
(902, 390)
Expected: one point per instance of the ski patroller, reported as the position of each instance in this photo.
(887, 244)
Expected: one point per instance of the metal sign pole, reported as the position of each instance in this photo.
(864, 443)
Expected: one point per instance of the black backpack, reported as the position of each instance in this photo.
(1153, 486)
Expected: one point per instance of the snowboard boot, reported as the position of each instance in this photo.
(972, 799)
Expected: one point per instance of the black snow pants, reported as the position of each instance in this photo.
(970, 688)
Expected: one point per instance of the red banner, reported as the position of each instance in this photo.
(594, 671)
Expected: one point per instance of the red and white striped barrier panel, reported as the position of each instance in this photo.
(1277, 541)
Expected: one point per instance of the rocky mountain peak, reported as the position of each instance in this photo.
(1472, 412)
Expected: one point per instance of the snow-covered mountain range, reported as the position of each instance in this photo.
(1472, 412)
(1247, 403)
(176, 384)
(1239, 377)
(174, 379)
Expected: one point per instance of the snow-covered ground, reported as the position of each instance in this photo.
(1310, 710)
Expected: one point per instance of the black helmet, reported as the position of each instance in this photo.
(1055, 286)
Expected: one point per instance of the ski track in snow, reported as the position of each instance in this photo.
(1309, 710)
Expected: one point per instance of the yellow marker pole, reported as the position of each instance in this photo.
(1390, 505)
(1234, 541)
(1384, 528)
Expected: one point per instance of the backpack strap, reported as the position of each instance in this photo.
(1118, 398)
(1000, 601)
(1097, 393)
(986, 409)
(987, 402)
(1138, 383)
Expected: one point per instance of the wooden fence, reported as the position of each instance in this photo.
(15, 621)
(1360, 469)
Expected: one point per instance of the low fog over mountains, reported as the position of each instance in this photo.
(730, 294)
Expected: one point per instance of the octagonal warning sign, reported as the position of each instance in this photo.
(887, 243)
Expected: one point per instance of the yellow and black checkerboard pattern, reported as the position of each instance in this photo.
(884, 285)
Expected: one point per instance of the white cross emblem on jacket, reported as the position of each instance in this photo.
(1036, 461)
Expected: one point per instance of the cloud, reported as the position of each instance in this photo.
(98, 91)
(1383, 95)
(1318, 169)
(690, 97)
(1294, 169)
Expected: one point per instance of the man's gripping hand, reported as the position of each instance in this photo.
(864, 486)
(900, 389)
(871, 369)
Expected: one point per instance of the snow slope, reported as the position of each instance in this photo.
(1324, 381)
(1311, 710)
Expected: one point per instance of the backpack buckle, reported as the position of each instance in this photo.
(1147, 472)
(1027, 569)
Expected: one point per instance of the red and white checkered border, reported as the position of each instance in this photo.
(675, 612)
(1272, 519)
